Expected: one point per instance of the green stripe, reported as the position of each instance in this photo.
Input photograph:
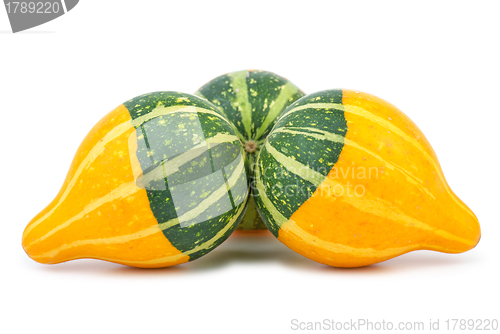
(210, 200)
(276, 185)
(296, 108)
(193, 169)
(273, 218)
(161, 110)
(220, 236)
(269, 95)
(220, 92)
(143, 104)
(169, 167)
(300, 151)
(251, 100)
(239, 84)
(287, 93)
(296, 167)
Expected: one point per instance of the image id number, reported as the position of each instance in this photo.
(33, 7)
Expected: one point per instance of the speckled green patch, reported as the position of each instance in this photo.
(302, 148)
(193, 169)
(266, 96)
(252, 101)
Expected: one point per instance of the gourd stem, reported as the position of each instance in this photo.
(250, 146)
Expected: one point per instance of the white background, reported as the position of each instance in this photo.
(438, 61)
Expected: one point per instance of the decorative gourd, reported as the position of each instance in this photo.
(346, 179)
(159, 181)
(252, 100)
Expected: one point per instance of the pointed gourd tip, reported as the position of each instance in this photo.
(464, 237)
(31, 243)
(475, 231)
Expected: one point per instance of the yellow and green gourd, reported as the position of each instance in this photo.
(348, 180)
(251, 100)
(343, 178)
(159, 181)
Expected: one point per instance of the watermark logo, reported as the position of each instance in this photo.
(342, 181)
(28, 14)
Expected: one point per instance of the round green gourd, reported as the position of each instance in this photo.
(252, 100)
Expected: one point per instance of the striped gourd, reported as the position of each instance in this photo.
(159, 181)
(252, 100)
(346, 179)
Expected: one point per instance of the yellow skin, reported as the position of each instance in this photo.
(406, 206)
(100, 187)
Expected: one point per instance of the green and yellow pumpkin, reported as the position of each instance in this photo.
(348, 180)
(159, 181)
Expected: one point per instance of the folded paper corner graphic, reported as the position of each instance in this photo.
(70, 4)
(24, 15)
